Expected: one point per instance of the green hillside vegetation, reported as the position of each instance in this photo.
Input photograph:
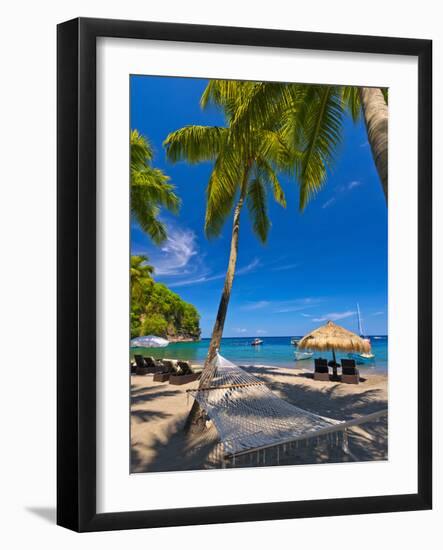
(157, 310)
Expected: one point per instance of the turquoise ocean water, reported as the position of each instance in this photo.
(275, 350)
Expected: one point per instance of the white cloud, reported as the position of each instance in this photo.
(241, 330)
(348, 186)
(261, 331)
(305, 314)
(378, 313)
(354, 183)
(328, 203)
(250, 267)
(285, 267)
(335, 316)
(282, 306)
(205, 276)
(299, 304)
(251, 306)
(174, 256)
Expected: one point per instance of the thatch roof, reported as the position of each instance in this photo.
(333, 337)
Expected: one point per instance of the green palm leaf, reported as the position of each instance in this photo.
(266, 173)
(195, 143)
(315, 130)
(351, 101)
(257, 205)
(150, 190)
(221, 190)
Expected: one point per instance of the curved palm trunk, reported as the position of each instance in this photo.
(375, 112)
(196, 417)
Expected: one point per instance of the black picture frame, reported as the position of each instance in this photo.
(76, 295)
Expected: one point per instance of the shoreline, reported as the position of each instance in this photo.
(276, 351)
(159, 410)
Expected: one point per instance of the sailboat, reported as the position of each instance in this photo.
(361, 358)
(302, 355)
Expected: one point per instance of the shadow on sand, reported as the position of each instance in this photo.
(176, 450)
(173, 450)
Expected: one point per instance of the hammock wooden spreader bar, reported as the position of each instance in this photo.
(228, 386)
(342, 427)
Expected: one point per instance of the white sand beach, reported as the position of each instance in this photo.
(159, 410)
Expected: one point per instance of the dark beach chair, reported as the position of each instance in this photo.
(321, 370)
(145, 365)
(334, 366)
(184, 374)
(167, 368)
(133, 367)
(155, 364)
(349, 372)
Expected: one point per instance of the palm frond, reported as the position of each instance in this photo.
(195, 143)
(227, 94)
(267, 174)
(222, 188)
(141, 150)
(151, 185)
(351, 101)
(270, 145)
(146, 216)
(257, 205)
(315, 130)
(262, 106)
(150, 189)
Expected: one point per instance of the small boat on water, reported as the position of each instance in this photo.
(295, 341)
(361, 358)
(302, 355)
(256, 342)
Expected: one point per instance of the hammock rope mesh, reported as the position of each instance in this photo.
(249, 416)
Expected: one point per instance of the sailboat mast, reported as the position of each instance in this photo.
(360, 328)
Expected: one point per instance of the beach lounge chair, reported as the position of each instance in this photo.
(321, 370)
(349, 372)
(133, 367)
(146, 365)
(168, 368)
(155, 364)
(184, 374)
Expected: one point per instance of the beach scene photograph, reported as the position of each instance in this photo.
(258, 274)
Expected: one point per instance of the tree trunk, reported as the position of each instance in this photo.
(375, 112)
(196, 418)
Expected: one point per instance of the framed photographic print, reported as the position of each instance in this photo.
(244, 280)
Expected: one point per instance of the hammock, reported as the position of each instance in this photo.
(249, 416)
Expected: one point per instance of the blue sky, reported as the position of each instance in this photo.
(315, 265)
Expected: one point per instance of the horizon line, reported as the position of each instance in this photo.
(271, 336)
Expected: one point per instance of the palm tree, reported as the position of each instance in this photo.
(310, 118)
(375, 109)
(141, 274)
(142, 284)
(244, 169)
(150, 189)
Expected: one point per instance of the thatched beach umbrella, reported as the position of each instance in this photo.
(332, 337)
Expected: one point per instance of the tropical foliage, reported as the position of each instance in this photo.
(309, 118)
(244, 165)
(150, 190)
(157, 310)
(245, 170)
